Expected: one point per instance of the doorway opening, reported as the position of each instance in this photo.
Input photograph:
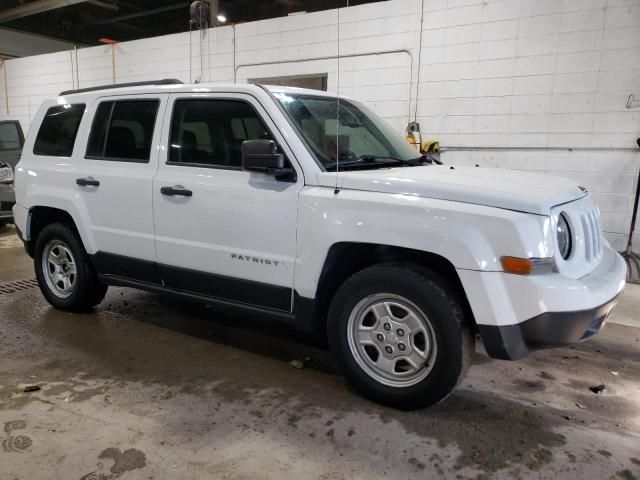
(314, 82)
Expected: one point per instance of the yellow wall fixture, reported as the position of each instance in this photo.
(430, 146)
(413, 135)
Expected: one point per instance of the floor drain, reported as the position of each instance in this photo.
(18, 285)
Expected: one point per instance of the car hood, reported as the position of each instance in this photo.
(493, 187)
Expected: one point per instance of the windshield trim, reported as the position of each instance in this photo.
(294, 126)
(414, 161)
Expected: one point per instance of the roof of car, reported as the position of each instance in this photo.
(129, 89)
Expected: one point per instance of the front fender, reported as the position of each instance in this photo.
(472, 237)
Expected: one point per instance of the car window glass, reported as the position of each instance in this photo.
(10, 138)
(345, 133)
(99, 130)
(123, 130)
(210, 132)
(57, 133)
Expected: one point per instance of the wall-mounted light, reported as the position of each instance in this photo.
(221, 18)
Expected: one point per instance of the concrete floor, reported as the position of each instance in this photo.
(153, 388)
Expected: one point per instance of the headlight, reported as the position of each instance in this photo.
(6, 174)
(563, 233)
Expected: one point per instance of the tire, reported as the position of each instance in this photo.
(64, 290)
(423, 313)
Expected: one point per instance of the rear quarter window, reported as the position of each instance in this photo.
(57, 133)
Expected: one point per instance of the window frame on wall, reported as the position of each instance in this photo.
(106, 128)
(309, 81)
(57, 109)
(172, 131)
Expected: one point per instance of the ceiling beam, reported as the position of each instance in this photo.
(41, 6)
(144, 13)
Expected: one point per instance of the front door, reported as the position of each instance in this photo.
(11, 140)
(221, 231)
(113, 176)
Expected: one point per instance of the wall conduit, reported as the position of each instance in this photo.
(333, 57)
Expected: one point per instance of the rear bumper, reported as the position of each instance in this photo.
(547, 330)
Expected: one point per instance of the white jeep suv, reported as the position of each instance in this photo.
(309, 207)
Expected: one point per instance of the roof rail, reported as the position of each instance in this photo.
(164, 81)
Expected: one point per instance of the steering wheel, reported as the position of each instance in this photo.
(348, 156)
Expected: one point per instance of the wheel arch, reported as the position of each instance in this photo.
(344, 259)
(41, 216)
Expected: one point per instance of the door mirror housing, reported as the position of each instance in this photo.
(262, 156)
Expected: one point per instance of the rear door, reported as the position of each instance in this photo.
(222, 231)
(113, 177)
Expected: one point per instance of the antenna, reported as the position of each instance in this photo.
(337, 188)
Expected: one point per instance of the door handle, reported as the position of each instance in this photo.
(88, 182)
(176, 191)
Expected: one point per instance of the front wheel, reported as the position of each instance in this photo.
(399, 334)
(63, 270)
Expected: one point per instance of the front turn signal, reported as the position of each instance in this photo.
(528, 266)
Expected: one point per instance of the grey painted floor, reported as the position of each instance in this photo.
(153, 388)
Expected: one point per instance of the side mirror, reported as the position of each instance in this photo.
(262, 156)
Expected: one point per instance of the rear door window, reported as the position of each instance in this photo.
(58, 130)
(123, 131)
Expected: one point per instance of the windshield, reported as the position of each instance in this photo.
(355, 139)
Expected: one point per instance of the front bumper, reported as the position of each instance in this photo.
(547, 330)
(7, 200)
(517, 314)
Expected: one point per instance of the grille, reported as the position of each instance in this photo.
(592, 231)
(6, 206)
(18, 285)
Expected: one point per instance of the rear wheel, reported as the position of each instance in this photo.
(65, 274)
(398, 332)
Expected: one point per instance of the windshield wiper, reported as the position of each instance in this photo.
(364, 161)
(427, 160)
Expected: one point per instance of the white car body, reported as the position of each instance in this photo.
(247, 239)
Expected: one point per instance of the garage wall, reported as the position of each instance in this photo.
(526, 84)
(19, 44)
(543, 75)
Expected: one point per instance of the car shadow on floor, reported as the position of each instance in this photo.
(251, 332)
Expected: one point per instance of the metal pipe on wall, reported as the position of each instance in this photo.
(415, 111)
(540, 149)
(75, 50)
(6, 86)
(333, 57)
(73, 75)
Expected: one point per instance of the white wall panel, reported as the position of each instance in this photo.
(513, 74)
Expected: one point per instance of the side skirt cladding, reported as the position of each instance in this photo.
(265, 299)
